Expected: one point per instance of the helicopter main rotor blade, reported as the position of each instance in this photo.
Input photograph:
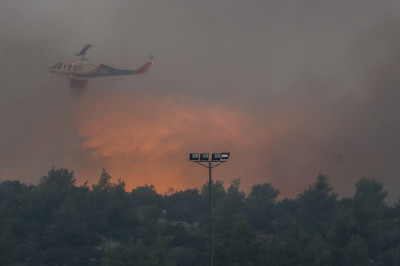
(84, 49)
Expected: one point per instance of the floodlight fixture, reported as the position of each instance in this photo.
(194, 157)
(225, 155)
(216, 157)
(204, 157)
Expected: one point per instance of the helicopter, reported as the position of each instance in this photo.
(81, 70)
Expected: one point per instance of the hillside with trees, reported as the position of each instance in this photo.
(57, 222)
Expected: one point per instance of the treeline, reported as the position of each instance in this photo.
(59, 223)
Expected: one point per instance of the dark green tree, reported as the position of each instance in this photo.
(288, 248)
(316, 206)
(261, 206)
(184, 205)
(104, 183)
(369, 201)
(61, 179)
(145, 195)
(356, 252)
(369, 212)
(234, 238)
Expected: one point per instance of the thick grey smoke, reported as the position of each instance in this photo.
(307, 87)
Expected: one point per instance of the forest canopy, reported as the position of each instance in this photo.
(57, 222)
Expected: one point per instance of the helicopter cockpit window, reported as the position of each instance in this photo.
(58, 65)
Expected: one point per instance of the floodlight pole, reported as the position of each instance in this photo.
(209, 210)
(210, 166)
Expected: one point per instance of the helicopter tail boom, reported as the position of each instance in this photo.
(144, 68)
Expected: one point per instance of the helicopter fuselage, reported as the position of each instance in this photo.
(81, 70)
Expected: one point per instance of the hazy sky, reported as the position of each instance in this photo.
(290, 88)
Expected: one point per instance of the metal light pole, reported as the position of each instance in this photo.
(217, 159)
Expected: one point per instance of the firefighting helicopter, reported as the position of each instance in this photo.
(81, 70)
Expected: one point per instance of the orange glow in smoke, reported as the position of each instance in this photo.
(146, 140)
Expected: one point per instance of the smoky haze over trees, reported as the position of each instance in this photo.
(57, 222)
(291, 88)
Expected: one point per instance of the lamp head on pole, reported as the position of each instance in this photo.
(225, 156)
(204, 157)
(216, 157)
(194, 157)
